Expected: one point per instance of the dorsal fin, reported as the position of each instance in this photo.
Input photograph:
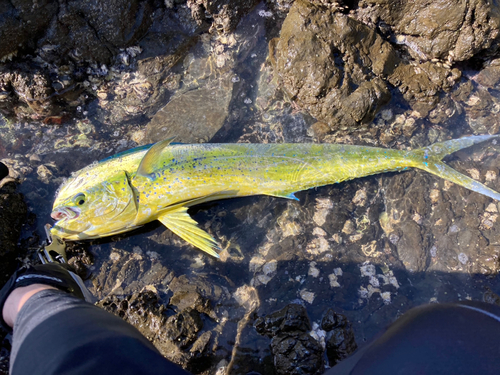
(149, 160)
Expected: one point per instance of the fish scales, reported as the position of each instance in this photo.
(161, 181)
(263, 169)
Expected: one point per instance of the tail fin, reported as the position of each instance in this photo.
(429, 159)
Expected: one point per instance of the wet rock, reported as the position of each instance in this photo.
(411, 247)
(21, 22)
(436, 226)
(133, 95)
(126, 272)
(295, 351)
(199, 109)
(200, 345)
(5, 348)
(13, 212)
(184, 326)
(332, 65)
(420, 83)
(97, 50)
(178, 119)
(86, 30)
(224, 15)
(296, 354)
(194, 294)
(80, 259)
(406, 195)
(450, 30)
(340, 340)
(489, 76)
(482, 111)
(170, 334)
(27, 90)
(291, 318)
(95, 30)
(491, 297)
(339, 69)
(281, 7)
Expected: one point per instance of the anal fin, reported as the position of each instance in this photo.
(179, 222)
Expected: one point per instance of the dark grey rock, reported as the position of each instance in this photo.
(22, 22)
(172, 335)
(13, 212)
(297, 354)
(291, 318)
(340, 340)
(294, 350)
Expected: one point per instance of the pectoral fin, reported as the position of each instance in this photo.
(179, 222)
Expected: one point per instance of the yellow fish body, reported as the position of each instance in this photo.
(161, 181)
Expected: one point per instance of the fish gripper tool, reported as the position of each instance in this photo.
(54, 249)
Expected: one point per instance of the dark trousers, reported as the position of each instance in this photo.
(56, 333)
(449, 338)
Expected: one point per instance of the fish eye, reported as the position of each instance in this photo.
(79, 199)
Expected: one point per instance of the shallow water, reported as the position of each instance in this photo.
(329, 249)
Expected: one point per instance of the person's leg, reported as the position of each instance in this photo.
(56, 333)
(461, 338)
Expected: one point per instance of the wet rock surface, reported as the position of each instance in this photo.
(126, 272)
(176, 335)
(90, 30)
(340, 341)
(224, 15)
(433, 247)
(27, 90)
(295, 351)
(13, 214)
(82, 49)
(4, 355)
(21, 22)
(449, 30)
(342, 71)
(177, 120)
(362, 251)
(333, 65)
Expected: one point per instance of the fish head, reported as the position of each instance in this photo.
(94, 203)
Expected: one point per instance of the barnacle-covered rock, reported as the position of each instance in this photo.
(449, 30)
(332, 65)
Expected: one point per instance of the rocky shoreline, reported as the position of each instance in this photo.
(81, 80)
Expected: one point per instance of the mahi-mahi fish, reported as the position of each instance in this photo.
(161, 181)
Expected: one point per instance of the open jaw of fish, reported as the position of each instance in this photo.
(61, 213)
(160, 182)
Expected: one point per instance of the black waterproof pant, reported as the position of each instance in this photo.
(458, 338)
(56, 333)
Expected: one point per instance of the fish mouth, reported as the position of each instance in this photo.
(61, 213)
